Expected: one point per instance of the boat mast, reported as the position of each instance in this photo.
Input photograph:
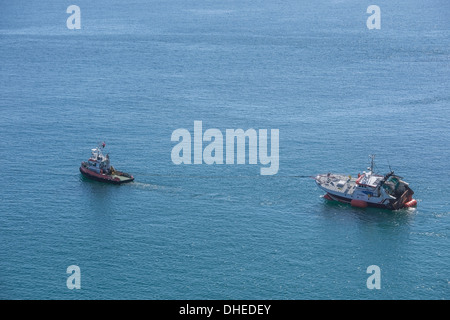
(100, 148)
(372, 157)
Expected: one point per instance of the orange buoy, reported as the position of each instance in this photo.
(411, 203)
(358, 203)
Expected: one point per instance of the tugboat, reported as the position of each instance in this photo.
(99, 168)
(369, 189)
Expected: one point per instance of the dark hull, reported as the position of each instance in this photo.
(118, 178)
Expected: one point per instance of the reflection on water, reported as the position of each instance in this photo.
(369, 215)
(99, 194)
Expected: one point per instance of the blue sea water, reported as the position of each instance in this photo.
(138, 70)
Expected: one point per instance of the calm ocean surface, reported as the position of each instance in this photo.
(138, 70)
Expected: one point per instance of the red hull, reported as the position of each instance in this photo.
(103, 177)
